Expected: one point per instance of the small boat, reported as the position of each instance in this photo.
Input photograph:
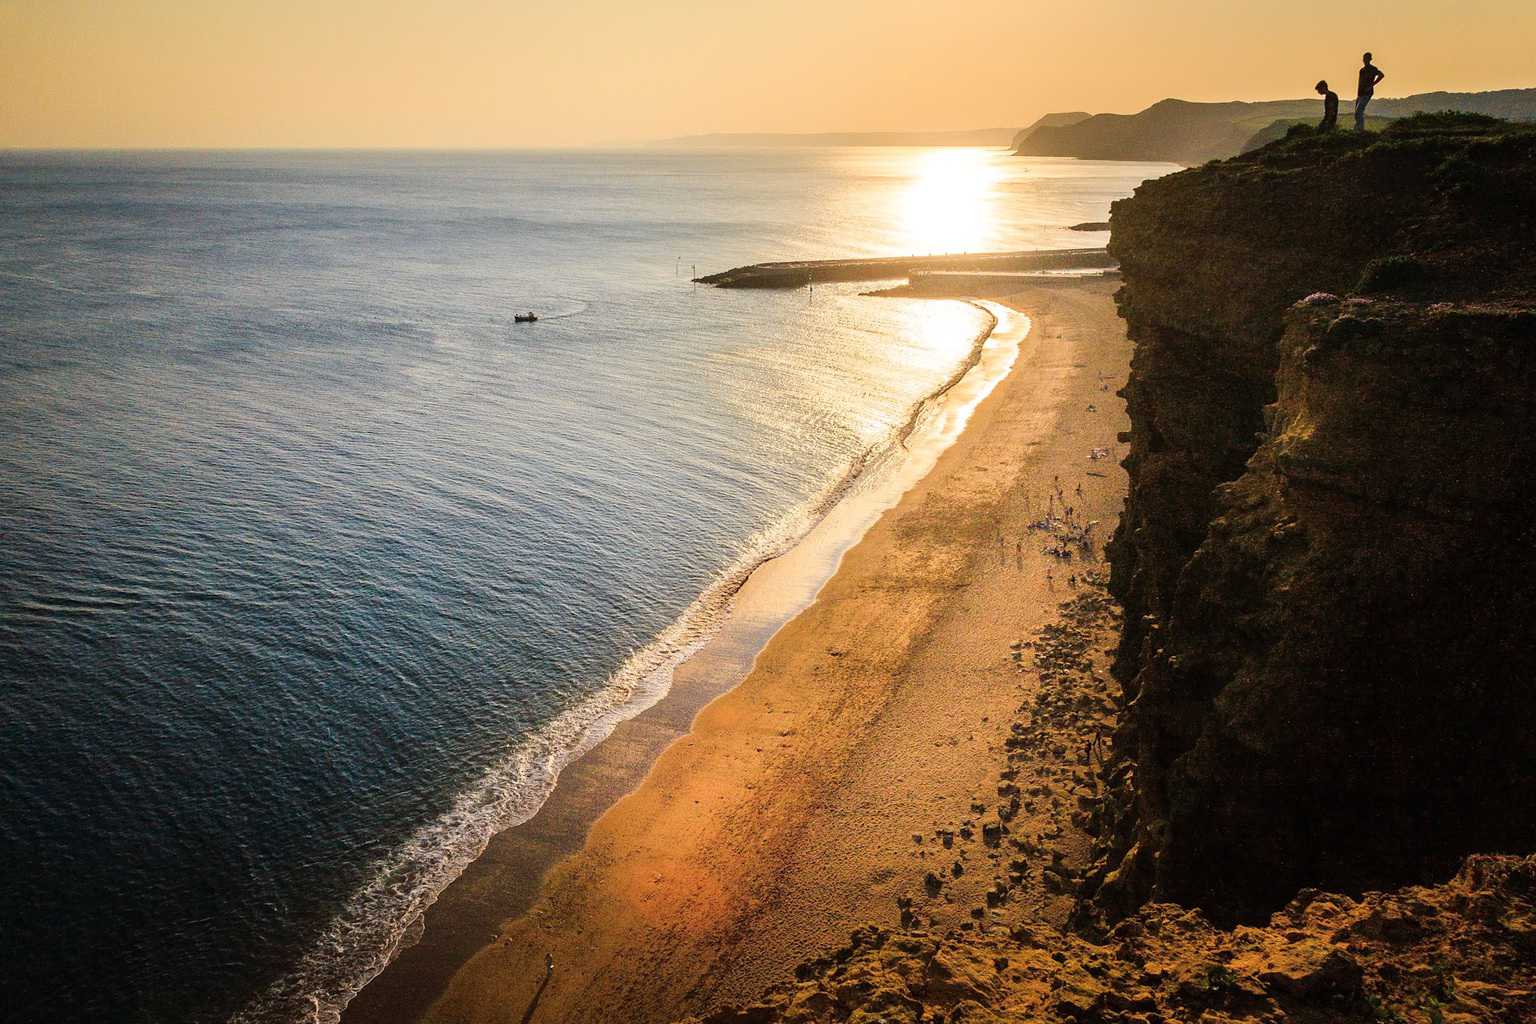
(525, 318)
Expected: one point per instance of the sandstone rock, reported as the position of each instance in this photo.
(1333, 974)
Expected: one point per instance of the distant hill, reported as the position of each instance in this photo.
(1510, 104)
(1173, 130)
(1192, 133)
(771, 140)
(1050, 121)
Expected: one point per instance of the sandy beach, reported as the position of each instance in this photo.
(804, 801)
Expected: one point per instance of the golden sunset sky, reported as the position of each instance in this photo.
(478, 73)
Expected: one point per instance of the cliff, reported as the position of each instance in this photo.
(1327, 553)
(1192, 133)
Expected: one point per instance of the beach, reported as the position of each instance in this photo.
(794, 808)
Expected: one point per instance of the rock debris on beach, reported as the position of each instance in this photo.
(1412, 955)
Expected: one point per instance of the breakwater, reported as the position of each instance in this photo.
(799, 273)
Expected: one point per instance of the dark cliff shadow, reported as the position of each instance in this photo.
(533, 1004)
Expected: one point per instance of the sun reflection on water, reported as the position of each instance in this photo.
(941, 333)
(948, 207)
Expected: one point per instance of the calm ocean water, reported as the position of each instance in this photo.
(314, 567)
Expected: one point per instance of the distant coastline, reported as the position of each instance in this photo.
(771, 140)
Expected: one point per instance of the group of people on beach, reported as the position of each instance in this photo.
(1370, 76)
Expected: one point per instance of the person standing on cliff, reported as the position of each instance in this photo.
(1370, 75)
(1330, 107)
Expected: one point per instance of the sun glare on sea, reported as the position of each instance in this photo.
(942, 332)
(948, 205)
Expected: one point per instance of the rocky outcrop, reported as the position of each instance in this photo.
(1327, 557)
(1464, 951)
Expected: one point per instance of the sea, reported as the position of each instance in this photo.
(316, 567)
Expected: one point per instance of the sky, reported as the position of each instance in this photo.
(526, 73)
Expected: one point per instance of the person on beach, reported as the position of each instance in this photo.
(1330, 107)
(549, 965)
(1370, 76)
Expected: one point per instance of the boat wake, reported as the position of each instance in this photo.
(552, 309)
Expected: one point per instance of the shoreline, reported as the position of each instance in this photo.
(502, 880)
(768, 828)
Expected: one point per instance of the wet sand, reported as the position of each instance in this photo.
(786, 815)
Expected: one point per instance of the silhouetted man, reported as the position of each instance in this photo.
(1370, 74)
(1330, 107)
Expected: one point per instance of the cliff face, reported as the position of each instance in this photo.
(1328, 550)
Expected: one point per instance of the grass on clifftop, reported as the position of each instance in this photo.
(1305, 145)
